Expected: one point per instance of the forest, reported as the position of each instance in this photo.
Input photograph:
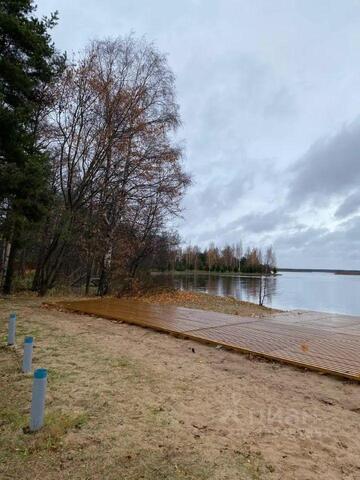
(91, 173)
(231, 258)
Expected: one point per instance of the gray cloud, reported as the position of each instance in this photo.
(333, 249)
(330, 167)
(350, 205)
(265, 90)
(222, 194)
(247, 225)
(301, 238)
(281, 105)
(264, 222)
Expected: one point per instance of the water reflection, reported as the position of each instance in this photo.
(291, 290)
(242, 288)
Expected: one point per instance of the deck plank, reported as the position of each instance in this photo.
(323, 342)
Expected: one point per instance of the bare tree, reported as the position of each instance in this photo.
(270, 260)
(239, 254)
(113, 153)
(263, 289)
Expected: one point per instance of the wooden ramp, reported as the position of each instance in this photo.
(318, 341)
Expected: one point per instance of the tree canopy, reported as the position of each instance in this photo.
(28, 62)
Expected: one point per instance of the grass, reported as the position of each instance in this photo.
(10, 416)
(110, 413)
(60, 375)
(203, 301)
(17, 441)
(57, 424)
(14, 414)
(121, 362)
(164, 465)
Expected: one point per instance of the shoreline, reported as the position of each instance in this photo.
(217, 274)
(185, 298)
(204, 301)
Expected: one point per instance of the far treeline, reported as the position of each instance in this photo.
(231, 258)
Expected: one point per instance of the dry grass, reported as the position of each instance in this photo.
(106, 417)
(128, 403)
(204, 301)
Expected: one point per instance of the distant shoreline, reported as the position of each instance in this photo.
(320, 270)
(217, 274)
(239, 274)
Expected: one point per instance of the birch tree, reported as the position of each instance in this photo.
(113, 151)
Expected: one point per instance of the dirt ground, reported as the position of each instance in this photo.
(127, 403)
(204, 301)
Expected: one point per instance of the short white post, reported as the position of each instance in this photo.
(38, 399)
(28, 351)
(12, 329)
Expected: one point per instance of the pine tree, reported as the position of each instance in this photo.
(28, 62)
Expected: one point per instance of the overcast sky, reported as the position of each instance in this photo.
(269, 93)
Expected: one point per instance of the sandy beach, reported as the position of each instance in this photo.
(130, 403)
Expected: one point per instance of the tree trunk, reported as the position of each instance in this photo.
(49, 272)
(104, 282)
(88, 275)
(6, 253)
(36, 279)
(51, 257)
(10, 270)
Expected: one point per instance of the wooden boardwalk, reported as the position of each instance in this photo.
(319, 341)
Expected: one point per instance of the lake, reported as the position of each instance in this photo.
(324, 292)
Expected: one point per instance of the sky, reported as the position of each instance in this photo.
(269, 95)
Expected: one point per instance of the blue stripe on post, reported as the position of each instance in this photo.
(29, 340)
(40, 373)
(12, 315)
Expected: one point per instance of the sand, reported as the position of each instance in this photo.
(128, 403)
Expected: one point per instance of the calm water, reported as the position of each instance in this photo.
(309, 291)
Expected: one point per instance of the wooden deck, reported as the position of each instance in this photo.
(323, 342)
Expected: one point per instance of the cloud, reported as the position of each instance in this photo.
(329, 168)
(282, 104)
(264, 222)
(255, 110)
(331, 249)
(301, 239)
(350, 205)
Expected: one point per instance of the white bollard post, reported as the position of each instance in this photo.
(28, 351)
(12, 329)
(38, 399)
